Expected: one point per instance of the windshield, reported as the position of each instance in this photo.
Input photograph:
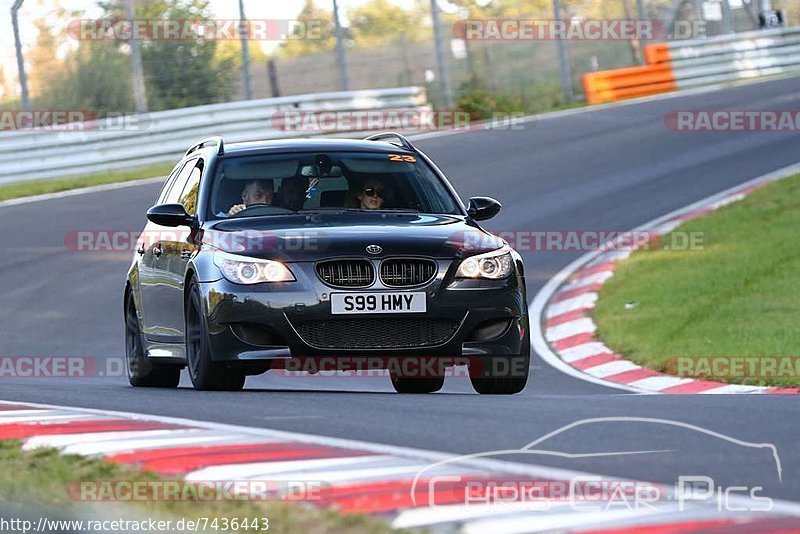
(246, 186)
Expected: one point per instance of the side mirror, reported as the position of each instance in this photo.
(170, 215)
(483, 208)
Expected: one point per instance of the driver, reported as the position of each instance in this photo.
(254, 192)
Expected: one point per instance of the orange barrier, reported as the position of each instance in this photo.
(657, 53)
(618, 84)
(696, 62)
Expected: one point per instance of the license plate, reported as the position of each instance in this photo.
(346, 303)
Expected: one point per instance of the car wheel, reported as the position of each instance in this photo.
(503, 375)
(205, 373)
(141, 371)
(403, 384)
(499, 385)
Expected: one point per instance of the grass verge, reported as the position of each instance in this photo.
(35, 483)
(727, 311)
(40, 187)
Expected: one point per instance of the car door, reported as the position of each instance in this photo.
(147, 253)
(155, 276)
(179, 248)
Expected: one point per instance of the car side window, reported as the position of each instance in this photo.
(175, 193)
(168, 183)
(189, 195)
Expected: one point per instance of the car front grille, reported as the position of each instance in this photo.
(394, 333)
(407, 272)
(346, 273)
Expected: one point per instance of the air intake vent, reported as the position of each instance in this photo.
(383, 333)
(407, 272)
(346, 273)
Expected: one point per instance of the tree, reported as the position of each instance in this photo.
(231, 50)
(5, 88)
(181, 72)
(46, 68)
(82, 80)
(98, 79)
(321, 20)
(382, 21)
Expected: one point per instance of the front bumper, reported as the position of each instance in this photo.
(252, 325)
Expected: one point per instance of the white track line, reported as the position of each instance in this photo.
(81, 191)
(597, 278)
(374, 473)
(734, 389)
(123, 446)
(551, 522)
(659, 383)
(582, 302)
(256, 470)
(586, 350)
(612, 368)
(569, 329)
(58, 441)
(15, 413)
(46, 418)
(426, 516)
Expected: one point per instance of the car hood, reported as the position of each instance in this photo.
(320, 236)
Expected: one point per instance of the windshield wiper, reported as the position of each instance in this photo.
(359, 210)
(410, 210)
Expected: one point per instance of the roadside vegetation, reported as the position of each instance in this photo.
(40, 187)
(738, 296)
(35, 483)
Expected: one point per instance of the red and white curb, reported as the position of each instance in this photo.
(564, 334)
(392, 483)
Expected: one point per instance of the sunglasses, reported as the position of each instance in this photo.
(373, 192)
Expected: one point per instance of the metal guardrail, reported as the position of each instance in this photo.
(164, 135)
(682, 64)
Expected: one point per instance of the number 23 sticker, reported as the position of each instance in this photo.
(402, 158)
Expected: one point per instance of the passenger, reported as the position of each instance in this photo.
(292, 194)
(373, 195)
(255, 192)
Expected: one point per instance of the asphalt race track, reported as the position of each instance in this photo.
(607, 169)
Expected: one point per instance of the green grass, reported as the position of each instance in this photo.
(40, 187)
(34, 483)
(738, 296)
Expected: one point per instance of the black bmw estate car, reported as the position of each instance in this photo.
(260, 254)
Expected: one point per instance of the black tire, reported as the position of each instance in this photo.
(141, 371)
(205, 373)
(416, 385)
(503, 375)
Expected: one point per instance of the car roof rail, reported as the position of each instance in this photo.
(403, 140)
(209, 141)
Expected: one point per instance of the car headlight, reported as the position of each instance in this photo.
(245, 270)
(493, 265)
